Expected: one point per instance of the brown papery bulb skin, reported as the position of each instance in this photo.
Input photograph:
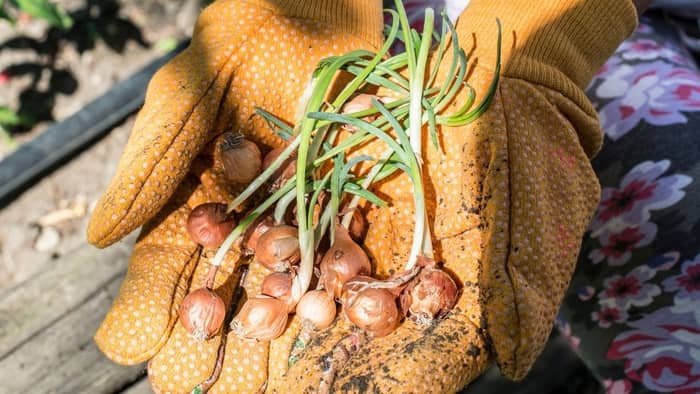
(287, 173)
(343, 261)
(278, 248)
(278, 285)
(318, 210)
(373, 310)
(358, 227)
(360, 102)
(254, 232)
(209, 225)
(202, 314)
(284, 172)
(430, 295)
(354, 286)
(261, 318)
(316, 309)
(270, 157)
(240, 157)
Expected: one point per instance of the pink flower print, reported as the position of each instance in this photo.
(621, 286)
(609, 314)
(631, 289)
(565, 330)
(622, 201)
(622, 386)
(691, 281)
(657, 92)
(688, 281)
(603, 72)
(641, 190)
(622, 243)
(617, 247)
(647, 49)
(662, 351)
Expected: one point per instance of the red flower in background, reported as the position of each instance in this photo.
(616, 247)
(619, 244)
(691, 281)
(608, 315)
(622, 201)
(4, 77)
(661, 351)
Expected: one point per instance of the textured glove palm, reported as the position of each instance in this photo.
(512, 253)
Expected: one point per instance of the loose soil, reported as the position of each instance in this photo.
(53, 74)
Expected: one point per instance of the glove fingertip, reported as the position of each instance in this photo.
(100, 230)
(117, 343)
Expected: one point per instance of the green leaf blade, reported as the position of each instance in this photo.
(50, 12)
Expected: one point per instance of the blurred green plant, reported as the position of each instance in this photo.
(8, 120)
(42, 9)
(166, 45)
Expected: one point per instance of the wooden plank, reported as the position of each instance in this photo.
(64, 359)
(47, 324)
(37, 303)
(143, 386)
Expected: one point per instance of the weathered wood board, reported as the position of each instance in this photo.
(47, 324)
(140, 387)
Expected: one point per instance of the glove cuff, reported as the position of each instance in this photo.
(553, 43)
(360, 18)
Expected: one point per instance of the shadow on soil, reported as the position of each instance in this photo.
(97, 20)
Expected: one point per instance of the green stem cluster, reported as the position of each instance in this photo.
(399, 124)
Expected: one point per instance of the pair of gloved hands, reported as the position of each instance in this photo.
(508, 200)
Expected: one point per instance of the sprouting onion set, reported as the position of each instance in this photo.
(308, 228)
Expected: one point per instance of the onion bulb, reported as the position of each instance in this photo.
(278, 285)
(316, 216)
(209, 224)
(258, 228)
(354, 286)
(202, 314)
(360, 102)
(430, 295)
(358, 227)
(270, 157)
(261, 318)
(371, 309)
(278, 248)
(286, 170)
(241, 158)
(343, 261)
(316, 309)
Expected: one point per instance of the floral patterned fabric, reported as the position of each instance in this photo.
(633, 308)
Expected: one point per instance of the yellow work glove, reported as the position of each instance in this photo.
(243, 54)
(508, 201)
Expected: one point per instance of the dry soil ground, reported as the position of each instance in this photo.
(53, 74)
